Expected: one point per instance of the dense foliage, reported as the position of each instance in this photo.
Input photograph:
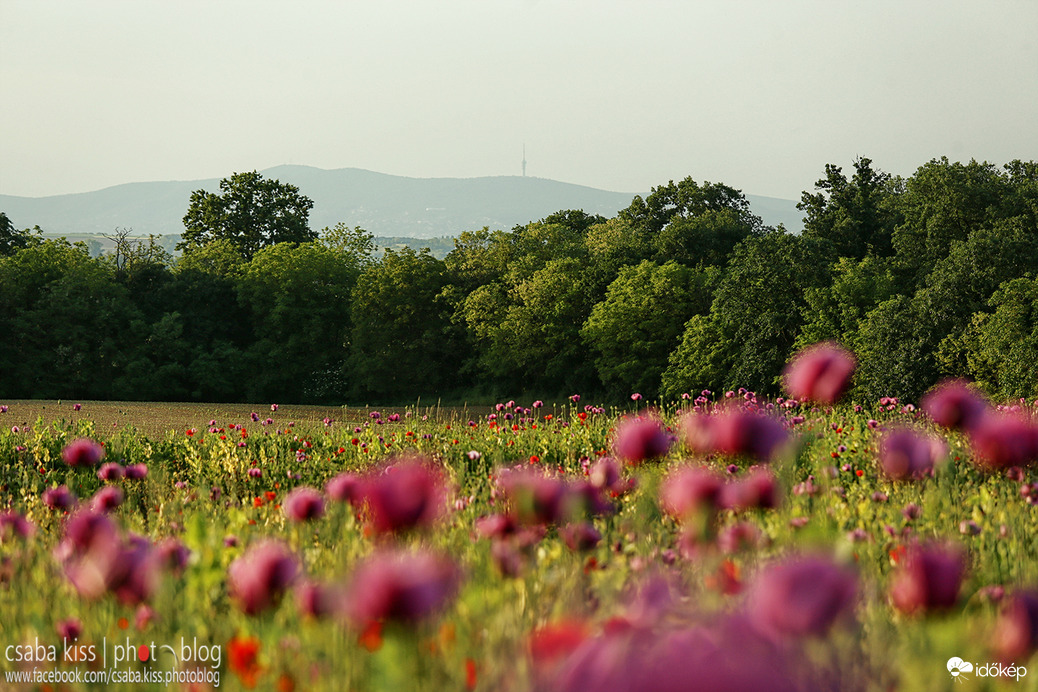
(922, 278)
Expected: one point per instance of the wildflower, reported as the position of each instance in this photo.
(135, 472)
(14, 525)
(106, 499)
(1016, 632)
(954, 405)
(83, 452)
(735, 433)
(801, 596)
(317, 600)
(59, 498)
(1003, 440)
(345, 487)
(906, 454)
(69, 629)
(401, 586)
(759, 489)
(110, 472)
(408, 494)
(580, 537)
(820, 373)
(258, 578)
(242, 659)
(690, 491)
(303, 504)
(641, 439)
(928, 579)
(173, 555)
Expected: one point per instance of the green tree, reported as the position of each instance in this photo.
(299, 299)
(856, 215)
(251, 212)
(1001, 346)
(633, 331)
(402, 341)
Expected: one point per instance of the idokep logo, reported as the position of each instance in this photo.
(958, 669)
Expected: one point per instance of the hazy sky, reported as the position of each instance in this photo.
(617, 95)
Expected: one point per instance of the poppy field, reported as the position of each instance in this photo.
(720, 541)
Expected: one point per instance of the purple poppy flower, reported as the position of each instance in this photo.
(401, 586)
(928, 579)
(905, 454)
(13, 525)
(173, 555)
(801, 596)
(106, 499)
(735, 433)
(83, 452)
(258, 578)
(1016, 632)
(69, 629)
(88, 552)
(758, 490)
(110, 472)
(317, 600)
(1003, 440)
(134, 575)
(954, 405)
(303, 504)
(640, 439)
(345, 487)
(690, 491)
(820, 373)
(580, 537)
(410, 493)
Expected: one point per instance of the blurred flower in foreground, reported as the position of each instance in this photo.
(83, 452)
(801, 596)
(905, 453)
(1016, 632)
(1002, 440)
(640, 439)
(954, 405)
(303, 504)
(928, 579)
(735, 433)
(401, 586)
(409, 493)
(258, 578)
(820, 373)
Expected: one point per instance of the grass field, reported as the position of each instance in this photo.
(739, 542)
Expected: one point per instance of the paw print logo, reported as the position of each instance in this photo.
(957, 667)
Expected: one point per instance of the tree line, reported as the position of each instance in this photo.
(923, 277)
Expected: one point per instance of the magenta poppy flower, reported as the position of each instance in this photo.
(88, 552)
(536, 497)
(134, 574)
(735, 433)
(1003, 440)
(83, 452)
(580, 537)
(136, 472)
(690, 491)
(954, 405)
(408, 494)
(13, 525)
(303, 504)
(173, 555)
(905, 454)
(317, 600)
(259, 578)
(401, 586)
(110, 472)
(928, 579)
(106, 499)
(820, 373)
(69, 629)
(641, 439)
(757, 490)
(1016, 632)
(345, 487)
(801, 596)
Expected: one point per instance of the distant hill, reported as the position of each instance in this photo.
(385, 205)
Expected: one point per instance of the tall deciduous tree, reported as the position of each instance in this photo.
(251, 212)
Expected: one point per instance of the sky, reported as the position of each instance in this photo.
(621, 96)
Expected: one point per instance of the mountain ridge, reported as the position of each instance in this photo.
(380, 203)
